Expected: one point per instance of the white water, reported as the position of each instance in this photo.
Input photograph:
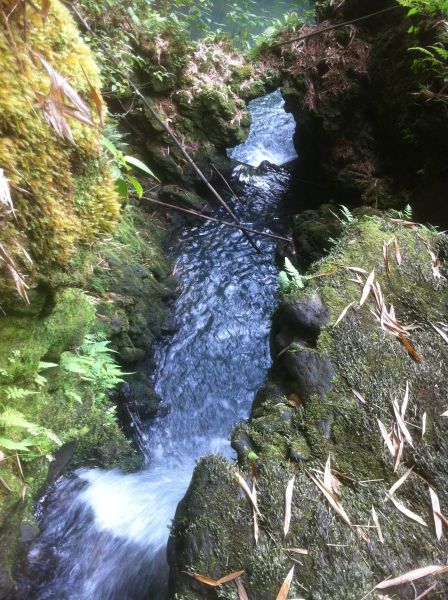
(271, 133)
(104, 533)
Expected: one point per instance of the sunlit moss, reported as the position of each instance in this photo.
(66, 193)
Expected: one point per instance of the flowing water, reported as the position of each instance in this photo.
(104, 533)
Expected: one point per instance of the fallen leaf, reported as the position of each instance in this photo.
(436, 511)
(386, 437)
(444, 519)
(96, 97)
(356, 270)
(327, 474)
(404, 406)
(423, 424)
(230, 577)
(288, 503)
(410, 348)
(242, 594)
(409, 576)
(343, 313)
(248, 493)
(215, 582)
(400, 482)
(254, 511)
(377, 525)
(399, 455)
(333, 501)
(407, 512)
(284, 590)
(359, 396)
(367, 288)
(2, 456)
(5, 194)
(302, 551)
(444, 414)
(397, 252)
(442, 334)
(45, 9)
(401, 424)
(426, 592)
(5, 485)
(386, 258)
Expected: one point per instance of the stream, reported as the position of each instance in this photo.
(104, 533)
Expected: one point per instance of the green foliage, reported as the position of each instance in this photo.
(123, 165)
(25, 435)
(346, 217)
(94, 364)
(424, 7)
(290, 279)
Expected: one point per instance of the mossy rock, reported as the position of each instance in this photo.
(63, 191)
(342, 561)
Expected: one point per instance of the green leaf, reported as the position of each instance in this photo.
(136, 185)
(46, 365)
(412, 11)
(12, 445)
(122, 188)
(108, 144)
(135, 162)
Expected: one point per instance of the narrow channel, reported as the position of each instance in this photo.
(104, 533)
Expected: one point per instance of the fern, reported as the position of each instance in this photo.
(13, 419)
(15, 393)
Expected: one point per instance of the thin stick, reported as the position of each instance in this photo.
(226, 183)
(309, 35)
(226, 223)
(170, 132)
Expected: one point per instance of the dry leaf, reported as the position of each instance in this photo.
(409, 576)
(45, 9)
(444, 519)
(386, 437)
(288, 502)
(284, 590)
(96, 97)
(442, 334)
(359, 396)
(333, 501)
(356, 270)
(399, 455)
(5, 485)
(215, 582)
(254, 513)
(242, 594)
(5, 194)
(397, 252)
(401, 424)
(386, 258)
(436, 511)
(410, 348)
(377, 525)
(444, 414)
(423, 424)
(426, 592)
(367, 287)
(2, 456)
(302, 551)
(248, 493)
(407, 512)
(343, 313)
(327, 474)
(400, 482)
(404, 406)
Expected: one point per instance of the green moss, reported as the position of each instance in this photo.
(374, 363)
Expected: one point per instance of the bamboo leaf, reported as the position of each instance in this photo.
(242, 594)
(435, 503)
(343, 313)
(409, 513)
(377, 525)
(248, 493)
(230, 577)
(400, 482)
(333, 501)
(302, 551)
(386, 437)
(359, 396)
(288, 503)
(284, 590)
(401, 424)
(409, 576)
(135, 162)
(442, 334)
(367, 287)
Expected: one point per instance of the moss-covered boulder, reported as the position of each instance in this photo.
(62, 189)
(383, 362)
